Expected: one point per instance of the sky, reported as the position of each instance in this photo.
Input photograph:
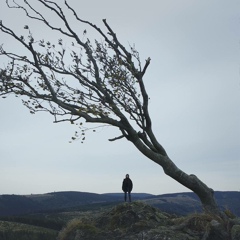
(194, 87)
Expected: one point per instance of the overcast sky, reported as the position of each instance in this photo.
(194, 87)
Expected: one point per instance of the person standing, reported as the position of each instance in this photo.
(127, 186)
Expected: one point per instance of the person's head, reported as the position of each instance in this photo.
(127, 175)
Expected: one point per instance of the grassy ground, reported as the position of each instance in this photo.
(20, 231)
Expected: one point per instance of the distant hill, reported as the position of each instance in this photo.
(188, 202)
(17, 205)
(177, 203)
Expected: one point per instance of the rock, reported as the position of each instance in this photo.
(137, 221)
(235, 232)
(235, 221)
(215, 231)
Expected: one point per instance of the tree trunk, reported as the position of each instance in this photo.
(192, 182)
(205, 194)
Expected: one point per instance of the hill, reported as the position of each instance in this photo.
(137, 220)
(26, 204)
(188, 202)
(177, 203)
(20, 231)
(93, 220)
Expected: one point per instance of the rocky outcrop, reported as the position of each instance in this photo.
(141, 221)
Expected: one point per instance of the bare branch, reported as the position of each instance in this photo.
(116, 138)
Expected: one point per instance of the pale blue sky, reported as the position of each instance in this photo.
(194, 87)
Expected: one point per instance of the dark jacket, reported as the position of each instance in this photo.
(127, 185)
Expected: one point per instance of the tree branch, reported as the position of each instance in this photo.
(116, 138)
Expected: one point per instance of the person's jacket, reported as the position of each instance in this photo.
(127, 185)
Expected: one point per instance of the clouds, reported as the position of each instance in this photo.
(194, 88)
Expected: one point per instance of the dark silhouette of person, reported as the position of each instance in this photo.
(127, 186)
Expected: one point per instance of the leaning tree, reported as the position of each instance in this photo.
(99, 81)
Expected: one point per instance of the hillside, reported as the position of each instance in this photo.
(26, 204)
(177, 203)
(117, 220)
(20, 231)
(185, 203)
(137, 220)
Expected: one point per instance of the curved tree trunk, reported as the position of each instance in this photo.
(192, 182)
(205, 194)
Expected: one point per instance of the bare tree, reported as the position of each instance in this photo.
(103, 84)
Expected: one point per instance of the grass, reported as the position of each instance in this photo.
(19, 231)
(76, 225)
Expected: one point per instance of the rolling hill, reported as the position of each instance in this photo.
(177, 203)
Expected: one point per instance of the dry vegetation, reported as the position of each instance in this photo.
(136, 220)
(141, 221)
(20, 231)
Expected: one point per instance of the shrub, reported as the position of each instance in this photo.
(74, 226)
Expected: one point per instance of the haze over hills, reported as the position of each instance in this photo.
(177, 203)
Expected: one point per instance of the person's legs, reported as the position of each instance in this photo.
(129, 196)
(125, 196)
